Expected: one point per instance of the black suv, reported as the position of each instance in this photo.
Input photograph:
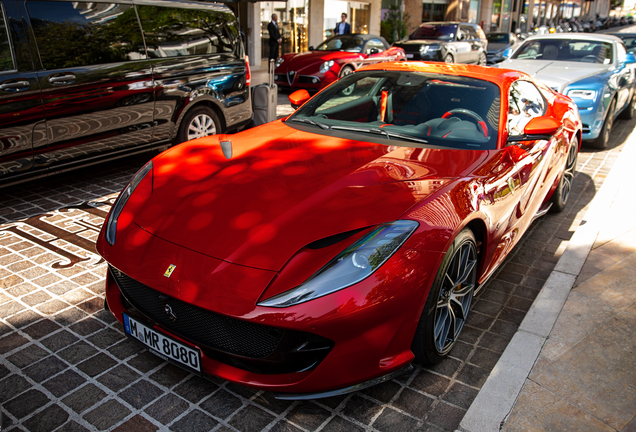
(451, 42)
(82, 82)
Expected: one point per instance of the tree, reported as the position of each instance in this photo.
(393, 26)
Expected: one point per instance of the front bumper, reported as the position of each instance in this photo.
(353, 336)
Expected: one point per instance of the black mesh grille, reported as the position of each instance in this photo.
(201, 326)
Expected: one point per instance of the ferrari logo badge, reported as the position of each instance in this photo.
(169, 271)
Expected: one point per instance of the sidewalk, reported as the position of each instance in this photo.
(571, 364)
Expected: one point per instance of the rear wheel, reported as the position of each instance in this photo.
(199, 122)
(560, 197)
(630, 110)
(449, 58)
(603, 138)
(448, 302)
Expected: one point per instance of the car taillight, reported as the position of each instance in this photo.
(248, 75)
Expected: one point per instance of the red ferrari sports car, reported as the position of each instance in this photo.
(325, 252)
(332, 59)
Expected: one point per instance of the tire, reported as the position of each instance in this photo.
(449, 59)
(482, 59)
(603, 138)
(561, 194)
(448, 302)
(346, 71)
(630, 109)
(197, 123)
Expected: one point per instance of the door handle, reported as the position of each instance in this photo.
(62, 79)
(14, 86)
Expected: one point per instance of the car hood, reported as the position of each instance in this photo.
(556, 74)
(284, 188)
(303, 60)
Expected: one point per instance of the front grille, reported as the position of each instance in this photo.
(199, 325)
(585, 128)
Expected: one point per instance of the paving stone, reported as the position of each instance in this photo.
(195, 421)
(461, 395)
(145, 361)
(23, 319)
(383, 392)
(96, 364)
(12, 386)
(446, 416)
(393, 421)
(251, 418)
(166, 409)
(4, 371)
(473, 375)
(11, 342)
(107, 414)
(246, 392)
(414, 403)
(361, 409)
(59, 340)
(308, 415)
(36, 298)
(221, 404)
(140, 394)
(195, 389)
(26, 403)
(27, 355)
(41, 328)
(494, 342)
(136, 424)
(86, 326)
(84, 398)
(93, 305)
(45, 368)
(72, 426)
(430, 383)
(285, 426)
(118, 377)
(63, 383)
(448, 367)
(105, 338)
(77, 352)
(169, 375)
(485, 358)
(47, 420)
(269, 402)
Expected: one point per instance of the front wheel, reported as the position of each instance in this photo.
(603, 138)
(482, 59)
(449, 58)
(560, 197)
(630, 109)
(199, 122)
(448, 302)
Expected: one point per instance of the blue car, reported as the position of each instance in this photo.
(595, 71)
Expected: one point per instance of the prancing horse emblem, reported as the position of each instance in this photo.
(169, 312)
(169, 271)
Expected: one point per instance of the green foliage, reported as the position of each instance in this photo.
(393, 25)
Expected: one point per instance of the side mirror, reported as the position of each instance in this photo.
(298, 98)
(539, 128)
(374, 51)
(630, 58)
(311, 48)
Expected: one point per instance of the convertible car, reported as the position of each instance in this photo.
(323, 253)
(335, 57)
(594, 70)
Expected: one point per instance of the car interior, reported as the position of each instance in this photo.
(567, 50)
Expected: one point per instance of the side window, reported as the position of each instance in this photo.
(172, 32)
(525, 101)
(374, 43)
(472, 34)
(6, 56)
(73, 34)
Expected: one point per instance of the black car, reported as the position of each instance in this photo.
(498, 42)
(82, 82)
(451, 42)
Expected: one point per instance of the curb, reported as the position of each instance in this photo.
(498, 395)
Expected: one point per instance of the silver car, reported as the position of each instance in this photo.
(595, 71)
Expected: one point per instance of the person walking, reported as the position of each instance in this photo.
(274, 39)
(343, 26)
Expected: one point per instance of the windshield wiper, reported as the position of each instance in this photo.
(311, 122)
(379, 131)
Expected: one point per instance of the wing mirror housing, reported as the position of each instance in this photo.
(630, 58)
(311, 48)
(298, 98)
(374, 51)
(539, 128)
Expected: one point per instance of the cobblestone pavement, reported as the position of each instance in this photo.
(65, 364)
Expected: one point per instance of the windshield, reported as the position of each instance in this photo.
(498, 38)
(342, 43)
(407, 108)
(435, 32)
(566, 50)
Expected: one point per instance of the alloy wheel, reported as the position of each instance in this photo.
(455, 297)
(568, 174)
(200, 126)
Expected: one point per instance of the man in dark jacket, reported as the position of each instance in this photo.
(274, 38)
(342, 27)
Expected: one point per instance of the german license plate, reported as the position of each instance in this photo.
(162, 345)
(409, 56)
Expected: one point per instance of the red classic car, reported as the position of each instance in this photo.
(326, 252)
(335, 57)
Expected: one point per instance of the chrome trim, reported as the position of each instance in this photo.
(542, 211)
(345, 390)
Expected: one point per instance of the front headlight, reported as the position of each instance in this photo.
(582, 94)
(326, 66)
(279, 61)
(122, 199)
(351, 266)
(426, 48)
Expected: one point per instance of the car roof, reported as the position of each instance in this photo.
(577, 36)
(497, 76)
